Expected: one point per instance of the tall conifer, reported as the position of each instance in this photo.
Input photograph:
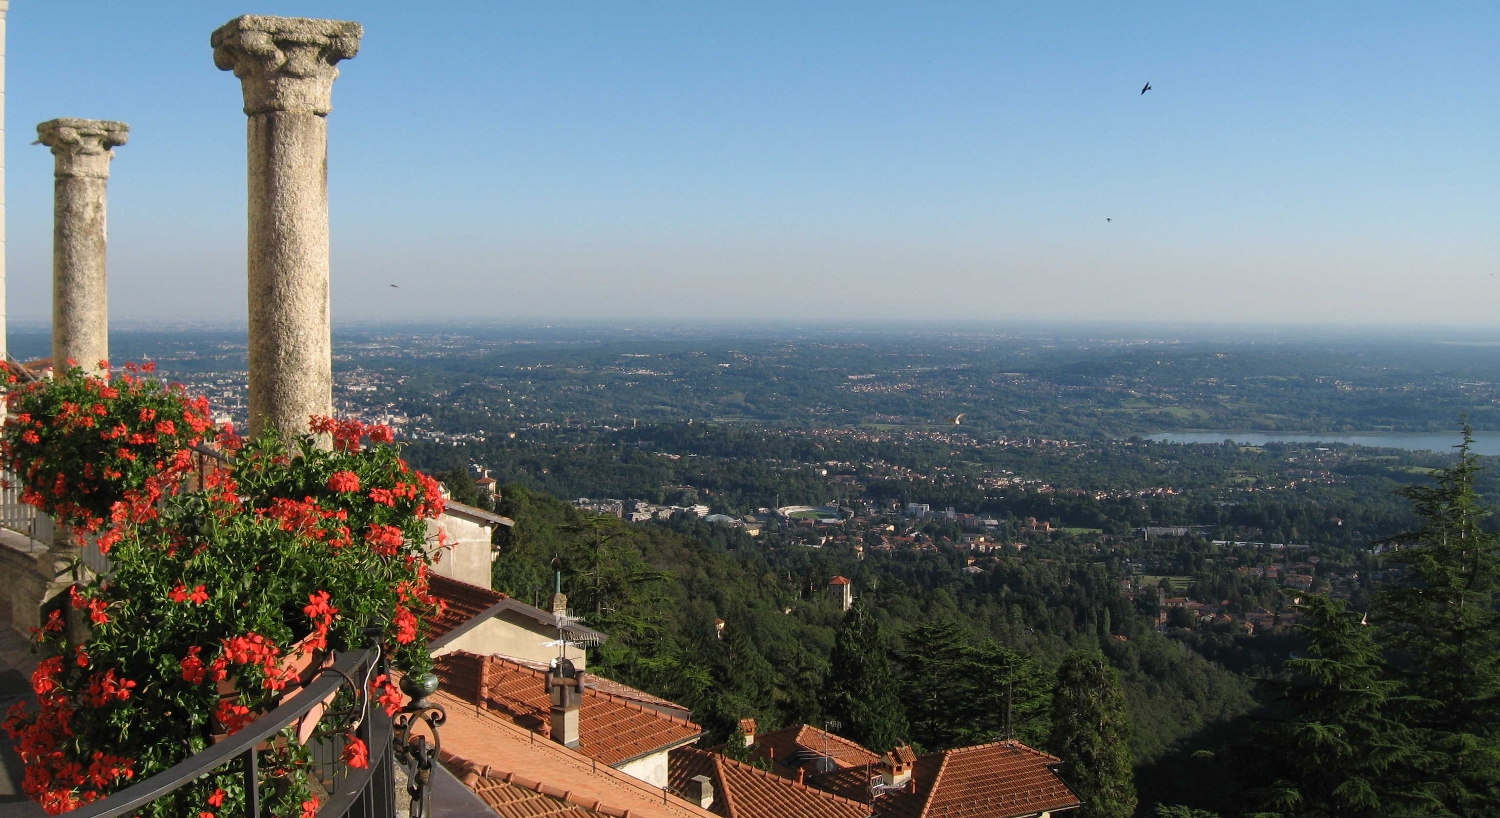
(1335, 744)
(1091, 734)
(1440, 621)
(860, 692)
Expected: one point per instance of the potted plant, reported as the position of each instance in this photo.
(223, 598)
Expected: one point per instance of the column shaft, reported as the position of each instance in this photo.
(82, 149)
(291, 355)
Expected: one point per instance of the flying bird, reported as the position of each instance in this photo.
(1147, 88)
(397, 286)
(958, 418)
(1108, 219)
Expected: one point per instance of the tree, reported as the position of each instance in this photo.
(1335, 744)
(860, 692)
(1440, 622)
(937, 684)
(1091, 734)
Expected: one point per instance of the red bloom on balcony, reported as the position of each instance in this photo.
(192, 668)
(387, 694)
(344, 481)
(381, 434)
(406, 625)
(310, 808)
(356, 754)
(234, 717)
(385, 539)
(217, 799)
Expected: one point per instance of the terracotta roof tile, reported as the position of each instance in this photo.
(461, 602)
(492, 747)
(612, 729)
(784, 746)
(1000, 780)
(742, 791)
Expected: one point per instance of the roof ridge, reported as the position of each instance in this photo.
(780, 779)
(723, 784)
(624, 701)
(937, 780)
(1009, 743)
(540, 787)
(836, 737)
(492, 720)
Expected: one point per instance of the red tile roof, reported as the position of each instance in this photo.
(612, 729)
(494, 748)
(461, 602)
(839, 581)
(742, 791)
(783, 747)
(513, 796)
(1000, 780)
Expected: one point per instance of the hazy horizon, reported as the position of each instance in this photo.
(1293, 166)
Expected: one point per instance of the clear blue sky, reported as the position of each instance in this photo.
(1295, 162)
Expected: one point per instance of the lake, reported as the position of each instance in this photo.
(1485, 443)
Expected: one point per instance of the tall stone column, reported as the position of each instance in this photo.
(82, 149)
(286, 66)
(4, 10)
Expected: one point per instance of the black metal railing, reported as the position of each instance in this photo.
(363, 793)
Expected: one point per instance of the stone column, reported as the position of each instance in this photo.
(286, 66)
(80, 309)
(4, 9)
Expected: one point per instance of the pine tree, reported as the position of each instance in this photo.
(1335, 744)
(860, 692)
(937, 684)
(1091, 734)
(1443, 630)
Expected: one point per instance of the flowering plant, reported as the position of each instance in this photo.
(291, 550)
(81, 441)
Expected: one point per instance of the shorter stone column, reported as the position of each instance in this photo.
(80, 305)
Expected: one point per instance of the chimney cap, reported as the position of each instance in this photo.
(747, 725)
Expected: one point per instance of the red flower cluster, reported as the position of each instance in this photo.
(321, 612)
(356, 753)
(347, 433)
(52, 779)
(387, 694)
(232, 716)
(254, 650)
(180, 595)
(343, 481)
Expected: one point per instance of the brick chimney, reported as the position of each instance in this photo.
(565, 687)
(896, 766)
(559, 604)
(747, 726)
(700, 790)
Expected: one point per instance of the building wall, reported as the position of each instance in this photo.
(512, 634)
(470, 554)
(651, 769)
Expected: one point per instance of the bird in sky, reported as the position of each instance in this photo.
(397, 286)
(1147, 88)
(1108, 219)
(959, 418)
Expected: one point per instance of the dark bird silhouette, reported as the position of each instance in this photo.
(1108, 219)
(1147, 88)
(397, 286)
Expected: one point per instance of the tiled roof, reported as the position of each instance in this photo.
(839, 581)
(612, 729)
(494, 748)
(1000, 780)
(742, 791)
(783, 747)
(516, 796)
(461, 603)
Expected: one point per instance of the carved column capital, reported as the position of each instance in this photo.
(285, 63)
(82, 146)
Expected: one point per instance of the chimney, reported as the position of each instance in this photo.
(747, 726)
(801, 774)
(559, 604)
(896, 766)
(565, 688)
(701, 790)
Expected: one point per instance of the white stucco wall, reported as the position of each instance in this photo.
(512, 634)
(468, 557)
(651, 769)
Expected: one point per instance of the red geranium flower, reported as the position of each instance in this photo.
(344, 481)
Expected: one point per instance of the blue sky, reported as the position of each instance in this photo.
(1302, 163)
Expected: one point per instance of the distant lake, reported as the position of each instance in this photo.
(1485, 443)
